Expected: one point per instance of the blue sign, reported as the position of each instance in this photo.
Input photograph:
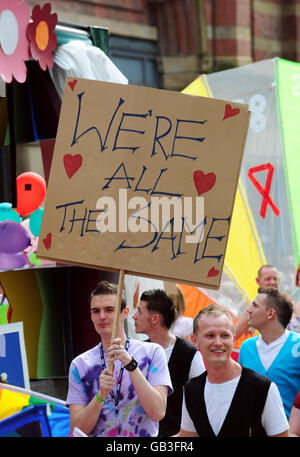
(13, 361)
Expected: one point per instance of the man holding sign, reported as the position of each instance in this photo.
(129, 400)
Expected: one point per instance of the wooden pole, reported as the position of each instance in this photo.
(117, 311)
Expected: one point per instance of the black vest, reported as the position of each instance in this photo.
(179, 368)
(244, 415)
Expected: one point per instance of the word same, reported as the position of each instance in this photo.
(76, 217)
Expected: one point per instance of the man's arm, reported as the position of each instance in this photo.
(281, 435)
(183, 433)
(152, 398)
(294, 421)
(273, 418)
(186, 423)
(242, 326)
(85, 417)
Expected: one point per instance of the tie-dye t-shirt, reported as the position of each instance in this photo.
(84, 383)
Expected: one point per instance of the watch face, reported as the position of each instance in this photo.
(132, 365)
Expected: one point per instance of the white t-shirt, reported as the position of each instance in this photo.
(183, 326)
(197, 365)
(268, 352)
(218, 398)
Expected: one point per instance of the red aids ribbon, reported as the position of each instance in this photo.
(264, 191)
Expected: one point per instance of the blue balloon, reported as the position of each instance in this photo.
(7, 213)
(35, 221)
(13, 237)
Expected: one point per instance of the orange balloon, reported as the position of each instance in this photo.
(31, 191)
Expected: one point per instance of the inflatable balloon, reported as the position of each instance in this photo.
(7, 213)
(32, 247)
(13, 237)
(12, 261)
(35, 221)
(31, 191)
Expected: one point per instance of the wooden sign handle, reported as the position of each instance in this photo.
(117, 311)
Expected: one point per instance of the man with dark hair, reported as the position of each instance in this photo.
(129, 400)
(154, 317)
(267, 276)
(275, 352)
(107, 288)
(228, 400)
(158, 301)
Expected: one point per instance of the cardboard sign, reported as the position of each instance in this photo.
(143, 180)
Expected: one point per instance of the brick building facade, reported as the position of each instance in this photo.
(193, 36)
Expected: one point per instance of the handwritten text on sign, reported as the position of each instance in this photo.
(143, 180)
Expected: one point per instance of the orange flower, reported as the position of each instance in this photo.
(41, 35)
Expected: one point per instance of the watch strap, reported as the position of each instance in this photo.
(132, 365)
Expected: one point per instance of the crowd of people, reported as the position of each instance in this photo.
(183, 381)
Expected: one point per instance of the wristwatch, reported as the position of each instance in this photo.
(132, 365)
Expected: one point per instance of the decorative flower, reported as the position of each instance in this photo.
(14, 49)
(41, 35)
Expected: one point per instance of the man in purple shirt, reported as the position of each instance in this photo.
(131, 400)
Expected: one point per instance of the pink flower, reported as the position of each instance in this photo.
(14, 49)
(41, 35)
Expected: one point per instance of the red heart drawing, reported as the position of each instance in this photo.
(73, 83)
(72, 163)
(229, 111)
(48, 240)
(203, 182)
(213, 272)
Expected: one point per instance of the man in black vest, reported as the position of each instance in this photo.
(228, 400)
(154, 317)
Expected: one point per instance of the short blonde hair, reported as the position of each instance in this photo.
(211, 310)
